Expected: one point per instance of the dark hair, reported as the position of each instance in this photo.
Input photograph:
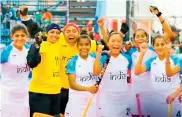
(19, 27)
(156, 37)
(83, 32)
(83, 36)
(91, 35)
(111, 32)
(115, 33)
(24, 12)
(134, 34)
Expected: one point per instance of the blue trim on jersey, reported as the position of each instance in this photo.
(175, 59)
(5, 52)
(151, 48)
(103, 59)
(128, 57)
(27, 46)
(148, 63)
(132, 50)
(180, 66)
(30, 75)
(71, 65)
(92, 55)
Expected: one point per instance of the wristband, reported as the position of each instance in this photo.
(159, 14)
(167, 62)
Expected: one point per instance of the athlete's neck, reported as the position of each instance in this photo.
(114, 55)
(84, 56)
(18, 47)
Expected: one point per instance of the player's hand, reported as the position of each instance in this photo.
(93, 89)
(100, 22)
(128, 45)
(154, 10)
(143, 47)
(124, 28)
(99, 49)
(170, 99)
(38, 38)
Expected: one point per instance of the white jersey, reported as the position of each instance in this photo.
(113, 93)
(83, 70)
(162, 86)
(14, 81)
(139, 83)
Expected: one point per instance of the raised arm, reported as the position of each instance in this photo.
(167, 29)
(140, 68)
(97, 64)
(103, 31)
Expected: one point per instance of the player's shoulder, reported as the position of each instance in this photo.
(5, 52)
(27, 46)
(132, 50)
(126, 55)
(73, 59)
(7, 49)
(175, 59)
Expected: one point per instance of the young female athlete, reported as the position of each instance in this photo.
(44, 88)
(113, 98)
(81, 80)
(15, 71)
(162, 85)
(68, 46)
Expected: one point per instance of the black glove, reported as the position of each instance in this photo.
(124, 28)
(155, 8)
(38, 39)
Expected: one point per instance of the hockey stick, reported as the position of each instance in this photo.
(170, 110)
(97, 83)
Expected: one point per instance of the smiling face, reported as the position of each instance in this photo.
(19, 38)
(53, 36)
(71, 34)
(84, 45)
(140, 37)
(115, 43)
(159, 46)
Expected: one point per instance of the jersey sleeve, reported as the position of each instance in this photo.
(180, 66)
(175, 59)
(5, 52)
(128, 57)
(71, 65)
(131, 50)
(102, 58)
(148, 63)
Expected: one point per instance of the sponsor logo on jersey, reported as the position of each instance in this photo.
(23, 69)
(119, 76)
(87, 78)
(162, 78)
